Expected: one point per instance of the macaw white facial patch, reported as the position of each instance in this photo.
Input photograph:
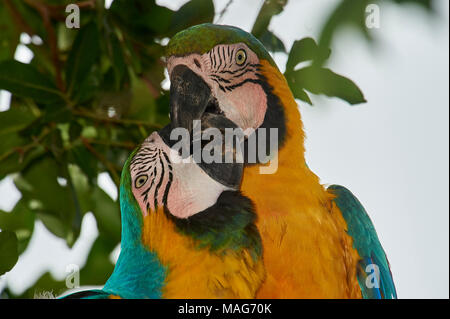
(160, 178)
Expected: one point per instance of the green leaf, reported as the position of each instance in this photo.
(192, 13)
(352, 15)
(269, 9)
(426, 4)
(107, 214)
(85, 161)
(17, 162)
(300, 94)
(21, 221)
(56, 113)
(143, 103)
(83, 56)
(117, 58)
(303, 50)
(8, 251)
(54, 224)
(319, 80)
(75, 130)
(15, 119)
(9, 35)
(32, 17)
(53, 203)
(93, 198)
(9, 141)
(272, 42)
(87, 90)
(156, 18)
(141, 20)
(25, 81)
(347, 13)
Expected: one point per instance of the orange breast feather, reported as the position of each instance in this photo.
(306, 250)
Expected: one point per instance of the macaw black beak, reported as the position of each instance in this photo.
(189, 97)
(228, 174)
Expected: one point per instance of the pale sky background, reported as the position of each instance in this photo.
(392, 153)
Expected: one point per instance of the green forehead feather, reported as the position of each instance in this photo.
(203, 37)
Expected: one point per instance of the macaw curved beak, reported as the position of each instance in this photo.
(191, 99)
(189, 96)
(228, 174)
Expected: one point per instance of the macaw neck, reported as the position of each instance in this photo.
(292, 169)
(138, 272)
(291, 148)
(213, 254)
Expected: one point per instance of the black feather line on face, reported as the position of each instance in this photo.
(220, 58)
(150, 162)
(220, 78)
(232, 87)
(169, 182)
(143, 165)
(197, 64)
(232, 57)
(213, 59)
(247, 65)
(145, 193)
(224, 58)
(250, 69)
(159, 182)
(219, 84)
(142, 156)
(274, 118)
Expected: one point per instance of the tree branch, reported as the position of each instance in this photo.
(52, 42)
(24, 26)
(109, 166)
(115, 120)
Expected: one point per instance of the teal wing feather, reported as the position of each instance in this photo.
(88, 294)
(374, 274)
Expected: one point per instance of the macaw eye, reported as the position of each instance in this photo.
(140, 181)
(241, 57)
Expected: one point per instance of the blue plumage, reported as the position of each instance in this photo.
(366, 242)
(138, 272)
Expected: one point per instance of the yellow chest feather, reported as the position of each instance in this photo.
(306, 250)
(196, 272)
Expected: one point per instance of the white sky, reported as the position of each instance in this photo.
(392, 152)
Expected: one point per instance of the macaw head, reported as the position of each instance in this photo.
(161, 178)
(223, 70)
(168, 203)
(203, 202)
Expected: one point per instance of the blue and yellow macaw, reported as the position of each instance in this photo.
(317, 242)
(228, 231)
(184, 234)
